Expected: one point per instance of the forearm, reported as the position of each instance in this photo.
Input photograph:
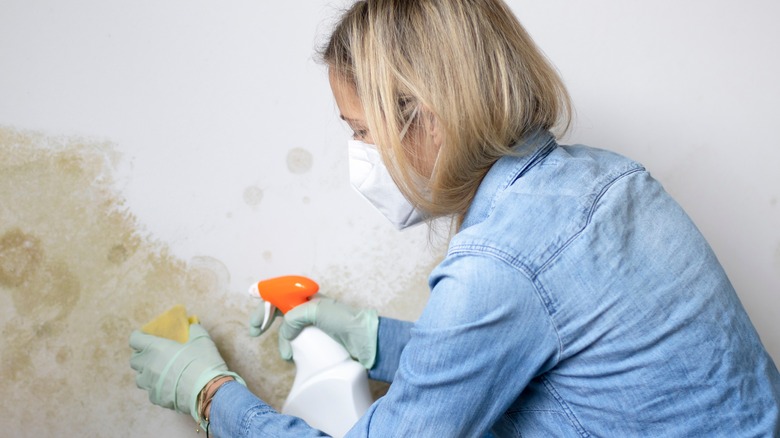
(236, 412)
(207, 395)
(231, 410)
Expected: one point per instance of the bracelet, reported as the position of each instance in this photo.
(203, 403)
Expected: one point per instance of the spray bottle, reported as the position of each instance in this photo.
(330, 391)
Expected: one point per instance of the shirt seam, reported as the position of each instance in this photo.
(547, 383)
(566, 409)
(504, 257)
(253, 412)
(591, 211)
(533, 276)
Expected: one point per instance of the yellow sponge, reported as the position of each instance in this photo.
(172, 324)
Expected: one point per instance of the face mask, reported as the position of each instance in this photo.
(371, 178)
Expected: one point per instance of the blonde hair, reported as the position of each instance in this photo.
(469, 67)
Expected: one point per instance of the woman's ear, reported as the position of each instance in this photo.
(435, 130)
(437, 134)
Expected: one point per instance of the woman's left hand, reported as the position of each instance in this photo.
(174, 373)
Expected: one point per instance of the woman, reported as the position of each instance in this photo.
(576, 297)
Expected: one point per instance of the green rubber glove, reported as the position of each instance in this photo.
(355, 329)
(256, 320)
(174, 373)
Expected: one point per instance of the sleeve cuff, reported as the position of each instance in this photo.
(230, 406)
(392, 337)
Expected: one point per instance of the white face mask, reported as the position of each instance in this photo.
(370, 177)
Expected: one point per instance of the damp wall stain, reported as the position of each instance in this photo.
(299, 160)
(253, 196)
(77, 275)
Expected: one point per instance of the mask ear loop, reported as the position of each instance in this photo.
(403, 133)
(409, 122)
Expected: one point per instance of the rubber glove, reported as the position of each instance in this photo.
(256, 320)
(355, 329)
(174, 373)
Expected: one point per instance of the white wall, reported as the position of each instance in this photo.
(225, 157)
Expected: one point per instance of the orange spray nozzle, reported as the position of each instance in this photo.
(287, 291)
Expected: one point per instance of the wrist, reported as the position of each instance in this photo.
(207, 395)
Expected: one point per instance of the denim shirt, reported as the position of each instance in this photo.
(577, 299)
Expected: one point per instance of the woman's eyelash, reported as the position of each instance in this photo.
(359, 133)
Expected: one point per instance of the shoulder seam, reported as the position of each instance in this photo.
(504, 257)
(591, 210)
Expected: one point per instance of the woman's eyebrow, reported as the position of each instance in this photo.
(348, 120)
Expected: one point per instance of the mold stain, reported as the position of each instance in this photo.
(299, 160)
(20, 256)
(253, 196)
(77, 275)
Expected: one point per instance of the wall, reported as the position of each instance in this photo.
(157, 153)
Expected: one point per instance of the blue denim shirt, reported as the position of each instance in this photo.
(576, 300)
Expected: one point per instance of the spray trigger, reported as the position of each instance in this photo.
(268, 316)
(282, 293)
(269, 310)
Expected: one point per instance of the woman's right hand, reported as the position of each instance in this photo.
(354, 328)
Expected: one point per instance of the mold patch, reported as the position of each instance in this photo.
(253, 196)
(77, 275)
(207, 275)
(20, 256)
(299, 160)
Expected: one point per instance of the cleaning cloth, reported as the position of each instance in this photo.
(173, 324)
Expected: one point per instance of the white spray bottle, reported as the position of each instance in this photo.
(330, 391)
